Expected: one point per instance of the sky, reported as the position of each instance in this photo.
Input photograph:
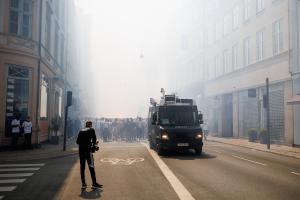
(122, 31)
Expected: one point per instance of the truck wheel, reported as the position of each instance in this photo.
(151, 145)
(159, 150)
(198, 151)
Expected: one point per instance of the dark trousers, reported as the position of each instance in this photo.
(87, 157)
(27, 140)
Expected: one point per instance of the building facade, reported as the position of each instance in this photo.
(246, 42)
(34, 63)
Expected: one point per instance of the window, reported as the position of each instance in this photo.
(63, 13)
(184, 42)
(48, 26)
(260, 5)
(58, 102)
(246, 10)
(226, 61)
(226, 25)
(218, 66)
(246, 51)
(20, 17)
(56, 41)
(211, 35)
(277, 37)
(44, 97)
(235, 18)
(17, 94)
(218, 31)
(235, 57)
(62, 49)
(260, 45)
(57, 8)
(212, 71)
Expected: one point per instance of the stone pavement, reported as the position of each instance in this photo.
(46, 151)
(274, 148)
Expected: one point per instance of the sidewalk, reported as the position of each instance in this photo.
(47, 151)
(274, 148)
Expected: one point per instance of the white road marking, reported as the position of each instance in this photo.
(216, 151)
(22, 165)
(7, 189)
(178, 187)
(12, 181)
(128, 161)
(1, 197)
(15, 175)
(19, 169)
(249, 160)
(295, 173)
(111, 147)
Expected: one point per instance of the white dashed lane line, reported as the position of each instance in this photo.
(296, 173)
(178, 187)
(252, 161)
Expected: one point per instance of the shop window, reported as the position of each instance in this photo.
(17, 94)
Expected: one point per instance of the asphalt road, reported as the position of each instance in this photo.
(132, 171)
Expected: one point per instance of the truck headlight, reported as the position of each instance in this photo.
(164, 136)
(199, 136)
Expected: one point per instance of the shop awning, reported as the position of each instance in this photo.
(294, 100)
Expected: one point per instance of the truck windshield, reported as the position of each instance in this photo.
(178, 115)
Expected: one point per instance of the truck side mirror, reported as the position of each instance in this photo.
(200, 116)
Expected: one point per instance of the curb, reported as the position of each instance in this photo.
(41, 157)
(268, 151)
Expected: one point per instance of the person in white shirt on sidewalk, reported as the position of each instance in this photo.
(27, 126)
(15, 132)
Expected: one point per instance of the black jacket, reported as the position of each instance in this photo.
(86, 139)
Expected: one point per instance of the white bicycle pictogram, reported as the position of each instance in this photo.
(120, 161)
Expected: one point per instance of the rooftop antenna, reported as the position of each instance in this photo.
(163, 92)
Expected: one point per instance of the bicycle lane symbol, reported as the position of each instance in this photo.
(120, 161)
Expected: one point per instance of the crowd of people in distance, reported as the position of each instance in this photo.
(121, 129)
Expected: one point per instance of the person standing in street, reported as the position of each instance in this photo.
(205, 130)
(87, 142)
(27, 126)
(15, 132)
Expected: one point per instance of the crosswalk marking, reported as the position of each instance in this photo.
(15, 175)
(22, 165)
(19, 169)
(7, 189)
(13, 180)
